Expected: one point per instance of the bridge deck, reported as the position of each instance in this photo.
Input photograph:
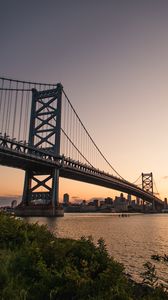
(22, 156)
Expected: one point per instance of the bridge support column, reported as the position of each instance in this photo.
(143, 203)
(41, 191)
(41, 185)
(153, 206)
(55, 190)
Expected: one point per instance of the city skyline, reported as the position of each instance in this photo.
(111, 58)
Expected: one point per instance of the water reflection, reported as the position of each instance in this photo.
(131, 240)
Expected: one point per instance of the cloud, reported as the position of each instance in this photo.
(165, 177)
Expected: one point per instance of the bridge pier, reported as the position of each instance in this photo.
(153, 206)
(43, 204)
(38, 211)
(55, 190)
(143, 205)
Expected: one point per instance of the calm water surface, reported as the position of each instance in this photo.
(130, 240)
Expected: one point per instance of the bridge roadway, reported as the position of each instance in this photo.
(21, 155)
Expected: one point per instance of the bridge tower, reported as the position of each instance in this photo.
(41, 185)
(147, 184)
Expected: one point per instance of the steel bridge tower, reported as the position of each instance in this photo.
(147, 184)
(41, 185)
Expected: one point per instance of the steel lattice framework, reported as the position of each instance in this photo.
(147, 182)
(44, 133)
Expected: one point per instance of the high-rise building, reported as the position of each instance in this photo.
(66, 199)
(137, 200)
(108, 201)
(96, 202)
(165, 203)
(129, 199)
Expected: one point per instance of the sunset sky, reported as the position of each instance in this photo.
(112, 59)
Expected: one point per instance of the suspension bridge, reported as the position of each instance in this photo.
(41, 133)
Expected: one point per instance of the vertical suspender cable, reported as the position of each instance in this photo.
(7, 111)
(15, 109)
(73, 118)
(65, 150)
(64, 124)
(26, 115)
(1, 94)
(81, 141)
(4, 113)
(70, 132)
(21, 108)
(76, 144)
(1, 98)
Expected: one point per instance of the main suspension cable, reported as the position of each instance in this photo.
(136, 179)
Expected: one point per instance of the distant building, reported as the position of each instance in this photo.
(129, 199)
(88, 208)
(133, 203)
(66, 199)
(120, 203)
(83, 202)
(108, 201)
(165, 203)
(137, 200)
(96, 202)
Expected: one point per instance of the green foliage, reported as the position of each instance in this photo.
(149, 276)
(35, 265)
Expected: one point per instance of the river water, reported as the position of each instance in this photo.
(130, 240)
